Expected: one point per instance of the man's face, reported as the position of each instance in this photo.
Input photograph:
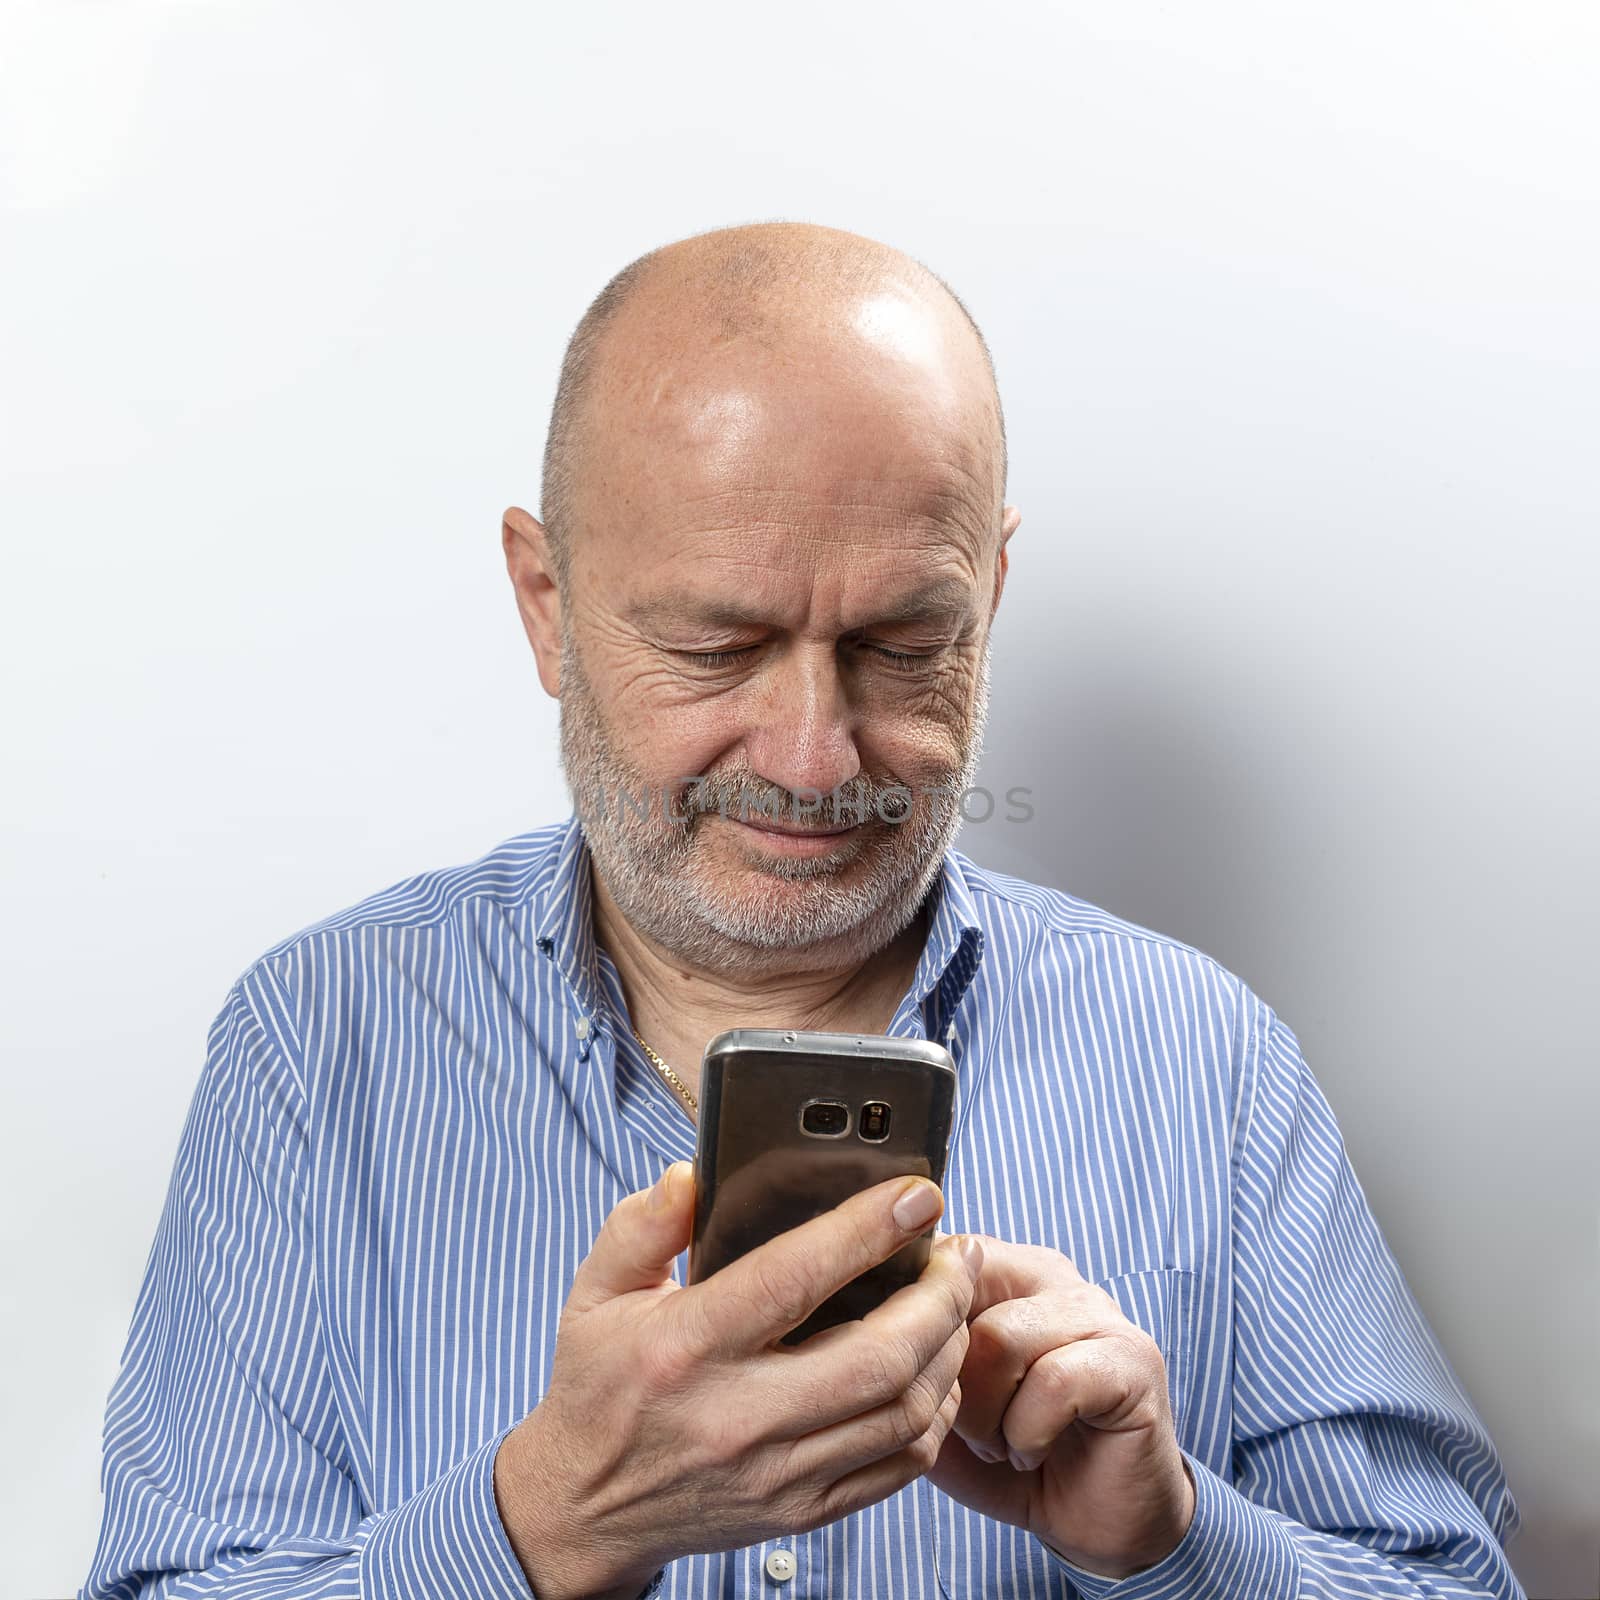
(784, 587)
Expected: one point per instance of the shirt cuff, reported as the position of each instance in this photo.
(449, 1539)
(1232, 1546)
(446, 1539)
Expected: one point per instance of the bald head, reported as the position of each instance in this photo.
(709, 313)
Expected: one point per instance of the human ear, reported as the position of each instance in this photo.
(533, 577)
(1009, 522)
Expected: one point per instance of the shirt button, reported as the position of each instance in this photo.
(780, 1566)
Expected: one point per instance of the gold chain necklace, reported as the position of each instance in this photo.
(666, 1071)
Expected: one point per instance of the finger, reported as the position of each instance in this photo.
(830, 1453)
(639, 1241)
(856, 1367)
(1007, 1340)
(1019, 1271)
(1087, 1380)
(877, 1481)
(772, 1289)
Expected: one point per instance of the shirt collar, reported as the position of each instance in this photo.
(564, 931)
(953, 949)
(564, 918)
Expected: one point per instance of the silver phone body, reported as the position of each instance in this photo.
(758, 1172)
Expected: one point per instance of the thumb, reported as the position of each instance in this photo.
(640, 1240)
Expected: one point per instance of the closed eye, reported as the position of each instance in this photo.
(897, 660)
(715, 658)
(903, 660)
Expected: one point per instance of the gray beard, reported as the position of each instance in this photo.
(651, 859)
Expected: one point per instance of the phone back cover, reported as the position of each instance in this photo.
(757, 1174)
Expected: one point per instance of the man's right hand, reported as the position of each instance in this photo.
(675, 1423)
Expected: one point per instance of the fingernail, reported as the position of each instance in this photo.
(1023, 1463)
(986, 1452)
(918, 1205)
(662, 1191)
(972, 1253)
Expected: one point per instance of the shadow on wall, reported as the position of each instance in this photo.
(1233, 815)
(1148, 802)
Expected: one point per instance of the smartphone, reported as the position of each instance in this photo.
(793, 1123)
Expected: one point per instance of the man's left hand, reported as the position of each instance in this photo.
(1065, 1427)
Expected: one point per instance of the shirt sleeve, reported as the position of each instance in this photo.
(225, 1468)
(1359, 1467)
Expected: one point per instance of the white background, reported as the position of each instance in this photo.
(1294, 310)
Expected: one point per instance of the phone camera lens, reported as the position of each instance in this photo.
(875, 1120)
(826, 1119)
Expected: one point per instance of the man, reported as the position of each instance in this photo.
(416, 1321)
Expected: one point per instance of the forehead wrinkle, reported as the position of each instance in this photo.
(723, 425)
(945, 598)
(920, 505)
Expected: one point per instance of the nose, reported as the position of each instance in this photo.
(804, 737)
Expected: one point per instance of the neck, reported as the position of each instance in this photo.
(679, 1007)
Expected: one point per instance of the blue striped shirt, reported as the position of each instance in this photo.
(414, 1115)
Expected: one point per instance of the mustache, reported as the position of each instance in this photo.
(744, 795)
